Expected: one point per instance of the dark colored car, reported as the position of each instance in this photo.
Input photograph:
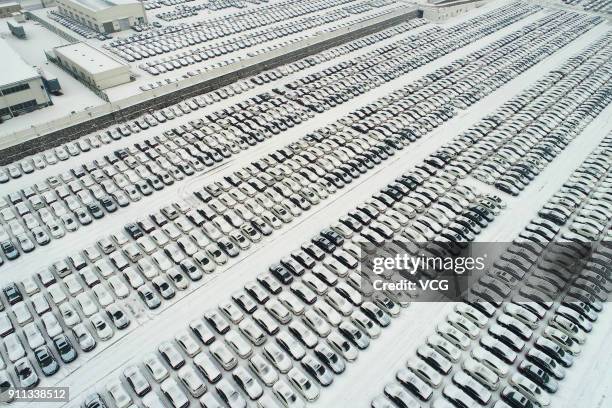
(64, 348)
(48, 364)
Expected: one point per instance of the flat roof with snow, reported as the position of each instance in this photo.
(14, 69)
(89, 58)
(97, 5)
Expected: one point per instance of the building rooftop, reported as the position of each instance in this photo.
(97, 5)
(14, 68)
(88, 58)
(7, 4)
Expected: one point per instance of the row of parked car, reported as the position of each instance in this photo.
(278, 73)
(194, 162)
(212, 51)
(603, 6)
(85, 144)
(42, 235)
(154, 257)
(337, 248)
(322, 91)
(173, 37)
(223, 4)
(91, 190)
(104, 268)
(180, 12)
(357, 162)
(77, 26)
(530, 313)
(552, 114)
(115, 133)
(152, 4)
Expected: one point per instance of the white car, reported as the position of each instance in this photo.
(247, 382)
(187, 343)
(103, 295)
(192, 381)
(264, 370)
(87, 304)
(140, 385)
(303, 384)
(147, 268)
(56, 230)
(162, 261)
(207, 367)
(51, 324)
(238, 344)
(69, 314)
(22, 313)
(133, 277)
(229, 394)
(120, 289)
(530, 389)
(118, 394)
(223, 355)
(26, 374)
(286, 395)
(103, 329)
(117, 316)
(14, 347)
(156, 368)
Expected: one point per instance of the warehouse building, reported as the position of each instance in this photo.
(7, 9)
(91, 66)
(105, 16)
(21, 86)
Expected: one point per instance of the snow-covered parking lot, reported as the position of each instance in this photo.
(208, 254)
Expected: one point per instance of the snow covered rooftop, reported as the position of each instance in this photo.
(97, 5)
(14, 69)
(88, 58)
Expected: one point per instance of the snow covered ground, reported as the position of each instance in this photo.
(587, 384)
(32, 50)
(40, 39)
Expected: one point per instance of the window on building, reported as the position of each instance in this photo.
(24, 106)
(16, 88)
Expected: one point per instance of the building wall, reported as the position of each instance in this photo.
(7, 10)
(112, 78)
(112, 19)
(32, 96)
(444, 11)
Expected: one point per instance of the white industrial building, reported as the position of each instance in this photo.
(105, 16)
(92, 66)
(21, 86)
